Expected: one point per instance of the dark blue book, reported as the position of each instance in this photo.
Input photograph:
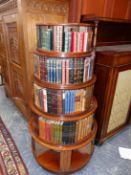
(71, 70)
(65, 133)
(51, 70)
(59, 71)
(63, 102)
(55, 70)
(66, 101)
(40, 97)
(70, 102)
(49, 101)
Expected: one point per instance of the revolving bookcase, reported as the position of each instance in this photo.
(62, 125)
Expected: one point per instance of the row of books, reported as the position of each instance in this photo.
(62, 101)
(65, 71)
(60, 132)
(65, 38)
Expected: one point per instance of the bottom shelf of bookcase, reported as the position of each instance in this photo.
(50, 160)
(64, 160)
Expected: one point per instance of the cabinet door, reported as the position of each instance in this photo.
(3, 58)
(16, 61)
(121, 101)
(1, 40)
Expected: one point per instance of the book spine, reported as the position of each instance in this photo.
(42, 128)
(67, 71)
(59, 101)
(86, 69)
(54, 102)
(63, 71)
(71, 70)
(37, 66)
(59, 71)
(85, 41)
(63, 102)
(90, 41)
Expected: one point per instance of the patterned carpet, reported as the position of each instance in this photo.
(105, 160)
(11, 162)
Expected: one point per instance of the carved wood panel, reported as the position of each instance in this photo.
(17, 80)
(5, 71)
(49, 6)
(13, 43)
(2, 46)
(11, 4)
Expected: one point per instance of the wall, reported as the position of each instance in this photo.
(105, 8)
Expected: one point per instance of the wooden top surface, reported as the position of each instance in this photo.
(115, 48)
(85, 18)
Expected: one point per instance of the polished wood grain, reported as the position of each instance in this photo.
(119, 11)
(93, 7)
(104, 8)
(107, 68)
(75, 10)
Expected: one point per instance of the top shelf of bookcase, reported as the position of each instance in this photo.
(69, 37)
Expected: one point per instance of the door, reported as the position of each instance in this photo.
(15, 59)
(3, 59)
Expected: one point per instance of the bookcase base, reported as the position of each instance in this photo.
(62, 162)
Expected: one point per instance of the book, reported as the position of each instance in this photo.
(42, 129)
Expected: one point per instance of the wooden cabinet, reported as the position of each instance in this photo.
(113, 90)
(18, 31)
(110, 31)
(113, 71)
(62, 124)
(117, 9)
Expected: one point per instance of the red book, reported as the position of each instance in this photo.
(73, 41)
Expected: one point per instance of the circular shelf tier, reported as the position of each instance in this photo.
(52, 54)
(66, 117)
(57, 147)
(65, 86)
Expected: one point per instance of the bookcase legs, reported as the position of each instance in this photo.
(65, 160)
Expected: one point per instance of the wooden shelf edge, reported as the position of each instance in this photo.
(66, 117)
(56, 54)
(65, 86)
(87, 140)
(68, 24)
